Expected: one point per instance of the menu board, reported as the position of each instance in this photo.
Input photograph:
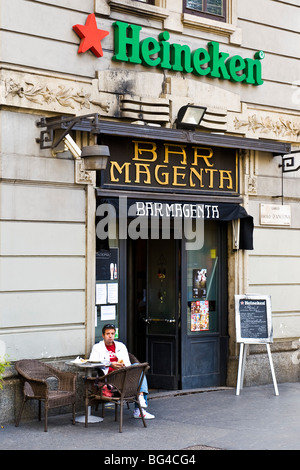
(253, 319)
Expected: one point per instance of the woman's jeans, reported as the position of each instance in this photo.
(144, 388)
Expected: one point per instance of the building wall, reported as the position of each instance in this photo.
(42, 247)
(46, 211)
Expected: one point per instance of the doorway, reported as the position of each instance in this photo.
(177, 309)
(154, 308)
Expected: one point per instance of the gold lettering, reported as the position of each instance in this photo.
(176, 174)
(139, 151)
(198, 175)
(223, 177)
(140, 171)
(119, 168)
(165, 175)
(205, 157)
(169, 149)
(211, 176)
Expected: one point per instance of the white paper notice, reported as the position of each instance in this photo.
(96, 319)
(101, 294)
(108, 312)
(112, 293)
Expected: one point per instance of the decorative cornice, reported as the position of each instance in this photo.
(43, 94)
(264, 125)
(51, 93)
(82, 176)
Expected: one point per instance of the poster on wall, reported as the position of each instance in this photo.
(200, 315)
(107, 265)
(199, 283)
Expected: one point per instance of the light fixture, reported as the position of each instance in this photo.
(71, 145)
(94, 157)
(190, 116)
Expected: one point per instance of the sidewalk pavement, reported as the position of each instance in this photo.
(196, 420)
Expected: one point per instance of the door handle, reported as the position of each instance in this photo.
(166, 320)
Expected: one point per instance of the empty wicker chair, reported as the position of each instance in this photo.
(34, 375)
(126, 383)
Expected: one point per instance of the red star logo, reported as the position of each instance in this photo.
(91, 36)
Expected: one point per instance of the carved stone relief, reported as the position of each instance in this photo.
(265, 124)
(82, 176)
(43, 94)
(52, 94)
(106, 95)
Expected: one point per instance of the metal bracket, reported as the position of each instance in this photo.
(287, 166)
(86, 123)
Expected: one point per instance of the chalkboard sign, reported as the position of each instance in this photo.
(253, 317)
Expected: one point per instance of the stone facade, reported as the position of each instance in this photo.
(47, 203)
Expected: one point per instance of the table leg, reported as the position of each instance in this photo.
(91, 418)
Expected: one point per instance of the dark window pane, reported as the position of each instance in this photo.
(151, 2)
(215, 7)
(195, 4)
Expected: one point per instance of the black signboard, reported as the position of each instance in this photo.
(253, 319)
(170, 167)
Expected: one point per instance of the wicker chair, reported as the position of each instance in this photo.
(126, 382)
(132, 358)
(34, 375)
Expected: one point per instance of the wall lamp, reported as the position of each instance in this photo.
(190, 116)
(95, 157)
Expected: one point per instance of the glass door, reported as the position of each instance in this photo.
(204, 310)
(202, 285)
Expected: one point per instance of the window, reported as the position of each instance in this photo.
(150, 2)
(213, 9)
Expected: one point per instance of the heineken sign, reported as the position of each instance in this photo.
(161, 53)
(152, 52)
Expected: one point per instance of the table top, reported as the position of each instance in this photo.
(87, 364)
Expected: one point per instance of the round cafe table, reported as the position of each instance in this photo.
(88, 367)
